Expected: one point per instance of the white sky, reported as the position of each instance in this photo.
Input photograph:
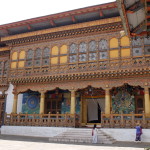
(17, 10)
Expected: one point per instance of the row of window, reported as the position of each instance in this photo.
(79, 53)
(4, 65)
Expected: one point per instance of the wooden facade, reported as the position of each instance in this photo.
(78, 73)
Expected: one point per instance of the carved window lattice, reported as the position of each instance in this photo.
(103, 55)
(82, 57)
(37, 63)
(38, 53)
(103, 45)
(46, 52)
(147, 50)
(137, 51)
(92, 46)
(136, 42)
(83, 47)
(92, 56)
(45, 62)
(73, 48)
(72, 58)
(30, 54)
(6, 65)
(29, 63)
(147, 41)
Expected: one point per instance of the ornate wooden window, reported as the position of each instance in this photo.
(147, 46)
(92, 46)
(29, 59)
(137, 49)
(6, 66)
(54, 55)
(125, 47)
(73, 53)
(46, 56)
(92, 51)
(114, 48)
(21, 61)
(14, 60)
(63, 54)
(103, 49)
(82, 52)
(73, 48)
(37, 58)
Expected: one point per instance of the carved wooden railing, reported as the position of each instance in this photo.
(50, 120)
(125, 120)
(90, 66)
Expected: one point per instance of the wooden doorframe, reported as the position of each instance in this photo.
(139, 109)
(2, 109)
(84, 108)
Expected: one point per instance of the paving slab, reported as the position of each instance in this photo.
(11, 142)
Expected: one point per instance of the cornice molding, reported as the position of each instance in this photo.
(63, 28)
(123, 73)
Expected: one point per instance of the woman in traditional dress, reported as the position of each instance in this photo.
(138, 132)
(94, 134)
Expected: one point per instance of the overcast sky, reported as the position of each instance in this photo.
(17, 10)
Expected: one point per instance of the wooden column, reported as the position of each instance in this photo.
(14, 109)
(107, 101)
(147, 100)
(73, 102)
(42, 101)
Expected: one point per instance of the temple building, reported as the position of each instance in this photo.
(78, 68)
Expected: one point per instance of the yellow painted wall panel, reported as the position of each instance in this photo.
(113, 43)
(114, 53)
(63, 59)
(14, 56)
(55, 50)
(13, 65)
(22, 55)
(125, 52)
(63, 49)
(54, 60)
(125, 41)
(21, 64)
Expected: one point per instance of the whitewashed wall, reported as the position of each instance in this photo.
(118, 134)
(127, 134)
(33, 131)
(9, 100)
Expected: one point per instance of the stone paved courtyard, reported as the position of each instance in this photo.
(9, 142)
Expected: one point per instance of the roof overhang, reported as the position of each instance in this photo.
(135, 15)
(92, 13)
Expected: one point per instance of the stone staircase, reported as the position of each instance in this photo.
(80, 135)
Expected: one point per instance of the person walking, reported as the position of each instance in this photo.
(94, 134)
(138, 132)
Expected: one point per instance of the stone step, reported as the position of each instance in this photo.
(81, 136)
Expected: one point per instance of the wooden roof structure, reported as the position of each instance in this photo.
(135, 16)
(91, 13)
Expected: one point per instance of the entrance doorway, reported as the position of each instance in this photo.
(94, 109)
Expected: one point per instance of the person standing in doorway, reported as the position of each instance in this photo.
(94, 134)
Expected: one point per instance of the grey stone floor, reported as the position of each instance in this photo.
(10, 142)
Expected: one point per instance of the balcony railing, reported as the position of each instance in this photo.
(125, 120)
(73, 120)
(56, 120)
